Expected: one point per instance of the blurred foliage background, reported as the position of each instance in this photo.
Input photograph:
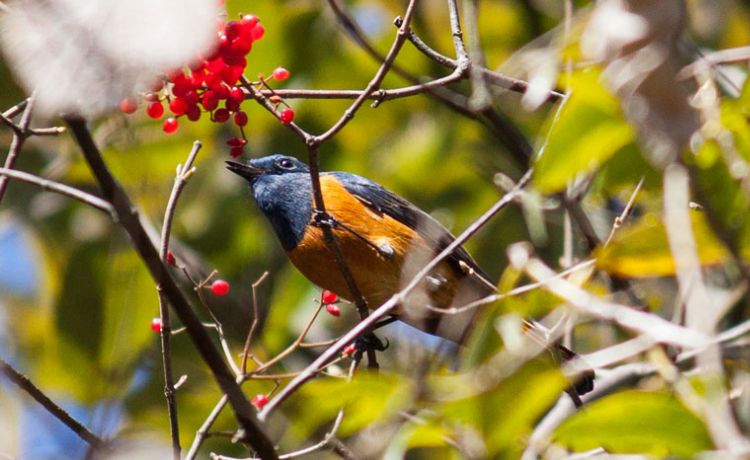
(76, 302)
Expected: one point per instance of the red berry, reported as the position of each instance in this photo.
(209, 100)
(232, 73)
(155, 110)
(197, 78)
(233, 59)
(236, 94)
(224, 43)
(181, 89)
(232, 105)
(333, 309)
(156, 325)
(220, 287)
(170, 125)
(287, 116)
(179, 106)
(222, 92)
(280, 74)
(349, 350)
(175, 76)
(258, 32)
(249, 20)
(192, 97)
(236, 152)
(236, 142)
(150, 97)
(259, 401)
(242, 45)
(156, 85)
(170, 258)
(240, 118)
(216, 65)
(329, 297)
(193, 113)
(128, 105)
(213, 81)
(232, 29)
(221, 115)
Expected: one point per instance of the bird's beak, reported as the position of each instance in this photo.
(249, 172)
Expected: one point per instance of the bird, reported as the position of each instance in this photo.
(383, 238)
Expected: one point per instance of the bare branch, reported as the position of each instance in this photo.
(19, 136)
(62, 189)
(58, 412)
(702, 313)
(183, 174)
(254, 324)
(128, 219)
(629, 318)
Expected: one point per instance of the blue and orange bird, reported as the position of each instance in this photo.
(384, 239)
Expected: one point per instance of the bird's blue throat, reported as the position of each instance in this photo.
(286, 200)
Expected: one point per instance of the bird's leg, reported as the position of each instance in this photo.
(323, 219)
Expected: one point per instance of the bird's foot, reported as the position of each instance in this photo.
(370, 341)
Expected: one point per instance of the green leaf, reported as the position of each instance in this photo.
(636, 422)
(368, 399)
(507, 412)
(642, 249)
(589, 130)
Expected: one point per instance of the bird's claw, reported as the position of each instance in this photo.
(370, 342)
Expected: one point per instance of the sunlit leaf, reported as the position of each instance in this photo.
(368, 399)
(507, 412)
(642, 249)
(636, 422)
(589, 130)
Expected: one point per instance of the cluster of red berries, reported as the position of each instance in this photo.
(212, 85)
(329, 299)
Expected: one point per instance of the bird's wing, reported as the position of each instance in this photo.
(383, 201)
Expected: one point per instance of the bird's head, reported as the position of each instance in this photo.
(268, 165)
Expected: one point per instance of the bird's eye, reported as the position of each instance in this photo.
(286, 163)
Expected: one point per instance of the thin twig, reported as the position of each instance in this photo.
(313, 153)
(701, 312)
(254, 324)
(329, 436)
(202, 433)
(19, 136)
(56, 187)
(183, 174)
(16, 109)
(480, 98)
(725, 56)
(376, 80)
(291, 347)
(619, 220)
(498, 125)
(128, 218)
(58, 412)
(654, 326)
(511, 293)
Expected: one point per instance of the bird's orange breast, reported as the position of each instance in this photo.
(377, 274)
